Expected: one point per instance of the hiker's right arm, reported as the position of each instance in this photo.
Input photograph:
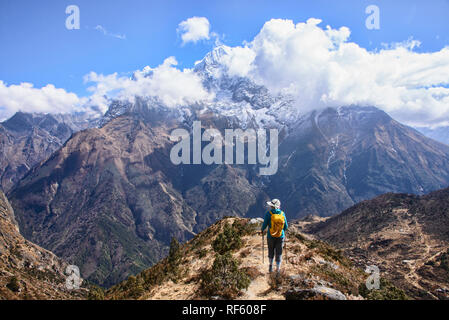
(266, 220)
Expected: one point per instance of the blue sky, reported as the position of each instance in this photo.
(37, 48)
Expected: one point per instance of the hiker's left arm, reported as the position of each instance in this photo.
(285, 224)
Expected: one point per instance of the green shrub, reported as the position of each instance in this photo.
(339, 279)
(228, 240)
(137, 290)
(134, 287)
(95, 293)
(328, 252)
(387, 291)
(312, 244)
(201, 253)
(278, 280)
(13, 284)
(444, 261)
(224, 279)
(243, 227)
(174, 260)
(154, 276)
(298, 236)
(198, 242)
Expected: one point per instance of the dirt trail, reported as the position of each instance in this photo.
(425, 248)
(424, 241)
(310, 263)
(250, 256)
(259, 287)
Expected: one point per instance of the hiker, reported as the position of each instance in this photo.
(276, 222)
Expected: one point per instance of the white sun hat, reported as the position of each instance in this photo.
(275, 203)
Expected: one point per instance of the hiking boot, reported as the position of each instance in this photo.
(278, 267)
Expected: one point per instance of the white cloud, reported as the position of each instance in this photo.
(24, 97)
(321, 67)
(107, 33)
(318, 66)
(171, 86)
(239, 60)
(194, 29)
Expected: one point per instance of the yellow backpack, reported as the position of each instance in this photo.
(277, 224)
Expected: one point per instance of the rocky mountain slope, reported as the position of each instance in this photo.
(341, 156)
(329, 159)
(111, 199)
(26, 270)
(26, 139)
(225, 262)
(405, 235)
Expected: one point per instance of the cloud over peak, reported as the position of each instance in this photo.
(320, 67)
(172, 86)
(25, 97)
(194, 29)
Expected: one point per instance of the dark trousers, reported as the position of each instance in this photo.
(275, 246)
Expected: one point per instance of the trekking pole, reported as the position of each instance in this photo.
(263, 250)
(285, 248)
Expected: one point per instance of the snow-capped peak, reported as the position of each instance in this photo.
(213, 58)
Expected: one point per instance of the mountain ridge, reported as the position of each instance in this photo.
(405, 235)
(26, 139)
(28, 271)
(119, 180)
(311, 270)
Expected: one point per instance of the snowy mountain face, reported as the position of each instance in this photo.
(116, 109)
(241, 100)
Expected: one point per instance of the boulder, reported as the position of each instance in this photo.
(256, 220)
(316, 292)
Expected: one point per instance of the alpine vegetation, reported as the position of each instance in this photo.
(212, 153)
